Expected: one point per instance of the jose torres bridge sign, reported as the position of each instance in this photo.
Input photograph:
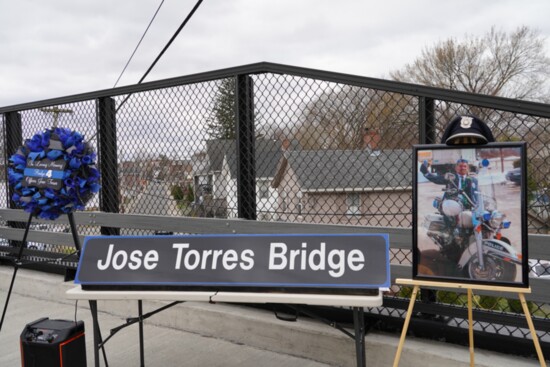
(326, 262)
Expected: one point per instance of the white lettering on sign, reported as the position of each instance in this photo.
(209, 259)
(335, 261)
(280, 258)
(120, 259)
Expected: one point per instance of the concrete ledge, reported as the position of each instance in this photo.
(255, 328)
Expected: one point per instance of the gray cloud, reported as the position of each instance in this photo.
(60, 47)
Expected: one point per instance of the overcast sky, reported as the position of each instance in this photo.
(55, 48)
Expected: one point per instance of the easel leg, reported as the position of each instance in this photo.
(74, 233)
(405, 326)
(359, 323)
(471, 327)
(15, 269)
(9, 295)
(70, 274)
(532, 329)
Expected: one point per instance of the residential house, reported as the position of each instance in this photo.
(217, 181)
(268, 155)
(362, 187)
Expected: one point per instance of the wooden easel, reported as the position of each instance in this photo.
(417, 284)
(17, 263)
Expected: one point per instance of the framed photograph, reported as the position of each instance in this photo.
(469, 214)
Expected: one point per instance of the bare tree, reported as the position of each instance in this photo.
(511, 65)
(498, 64)
(350, 117)
(335, 119)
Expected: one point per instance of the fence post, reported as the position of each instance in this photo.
(426, 120)
(108, 162)
(246, 159)
(427, 136)
(14, 139)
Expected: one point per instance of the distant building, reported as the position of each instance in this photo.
(361, 187)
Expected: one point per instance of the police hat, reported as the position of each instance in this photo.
(467, 129)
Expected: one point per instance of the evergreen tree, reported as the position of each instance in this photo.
(222, 122)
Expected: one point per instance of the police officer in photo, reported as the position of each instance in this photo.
(459, 186)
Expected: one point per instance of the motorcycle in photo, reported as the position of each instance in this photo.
(468, 233)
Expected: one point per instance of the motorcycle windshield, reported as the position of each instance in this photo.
(487, 184)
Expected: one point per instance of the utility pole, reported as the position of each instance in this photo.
(55, 111)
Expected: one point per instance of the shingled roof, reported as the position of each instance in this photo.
(216, 150)
(268, 153)
(349, 169)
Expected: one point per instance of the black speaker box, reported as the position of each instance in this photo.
(53, 343)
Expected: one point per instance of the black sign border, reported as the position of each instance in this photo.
(316, 288)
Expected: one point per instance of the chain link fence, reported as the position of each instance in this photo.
(293, 145)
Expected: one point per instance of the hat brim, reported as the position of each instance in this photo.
(450, 140)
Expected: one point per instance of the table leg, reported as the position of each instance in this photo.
(359, 323)
(97, 337)
(141, 348)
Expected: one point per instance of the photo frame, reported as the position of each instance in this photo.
(469, 214)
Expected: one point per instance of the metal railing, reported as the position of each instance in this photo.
(268, 148)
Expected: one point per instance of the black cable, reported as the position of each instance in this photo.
(165, 48)
(139, 43)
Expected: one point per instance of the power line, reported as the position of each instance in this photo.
(164, 49)
(171, 40)
(139, 43)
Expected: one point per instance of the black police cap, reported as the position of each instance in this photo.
(467, 129)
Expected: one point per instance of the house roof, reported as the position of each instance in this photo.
(349, 169)
(267, 152)
(216, 150)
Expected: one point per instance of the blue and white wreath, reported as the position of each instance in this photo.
(53, 173)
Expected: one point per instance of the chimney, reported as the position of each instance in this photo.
(371, 139)
(285, 144)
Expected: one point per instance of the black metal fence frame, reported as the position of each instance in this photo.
(110, 221)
